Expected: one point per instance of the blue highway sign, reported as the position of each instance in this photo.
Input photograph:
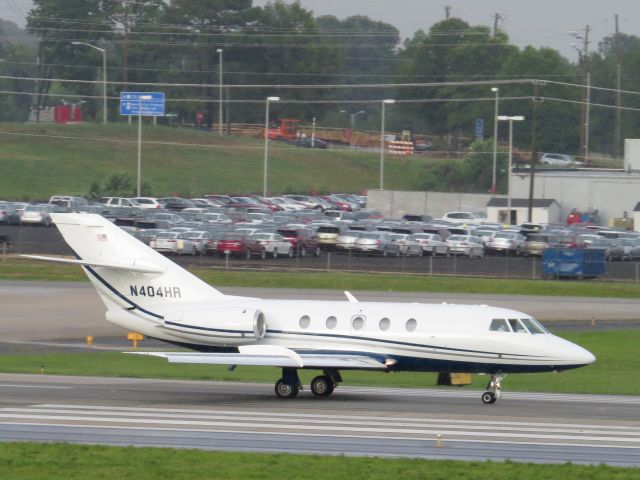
(479, 127)
(147, 104)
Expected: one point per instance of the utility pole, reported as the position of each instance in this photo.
(584, 122)
(618, 126)
(496, 20)
(534, 146)
(447, 12)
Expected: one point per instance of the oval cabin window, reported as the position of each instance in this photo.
(357, 323)
(305, 321)
(411, 324)
(332, 322)
(384, 324)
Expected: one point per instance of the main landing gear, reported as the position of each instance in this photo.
(321, 386)
(494, 388)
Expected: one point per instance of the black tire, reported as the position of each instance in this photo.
(322, 386)
(488, 398)
(285, 390)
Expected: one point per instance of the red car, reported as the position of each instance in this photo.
(302, 241)
(240, 246)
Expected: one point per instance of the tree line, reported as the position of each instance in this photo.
(443, 75)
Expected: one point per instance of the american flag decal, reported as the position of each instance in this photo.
(102, 237)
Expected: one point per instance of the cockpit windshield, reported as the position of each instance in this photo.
(517, 325)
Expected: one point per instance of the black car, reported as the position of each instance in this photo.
(176, 203)
(306, 142)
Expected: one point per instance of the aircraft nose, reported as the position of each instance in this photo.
(582, 356)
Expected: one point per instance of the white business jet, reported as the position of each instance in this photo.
(148, 293)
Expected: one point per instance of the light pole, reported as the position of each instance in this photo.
(510, 119)
(104, 77)
(387, 101)
(266, 143)
(219, 50)
(495, 141)
(140, 99)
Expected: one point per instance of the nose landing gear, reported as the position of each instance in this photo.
(494, 389)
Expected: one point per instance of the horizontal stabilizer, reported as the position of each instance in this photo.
(307, 360)
(133, 266)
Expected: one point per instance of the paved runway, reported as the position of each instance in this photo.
(355, 421)
(425, 423)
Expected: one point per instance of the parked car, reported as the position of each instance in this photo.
(464, 217)
(507, 242)
(8, 214)
(377, 243)
(327, 235)
(172, 242)
(198, 238)
(239, 245)
(537, 242)
(408, 246)
(118, 202)
(346, 241)
(146, 202)
(432, 244)
(175, 203)
(274, 244)
(307, 142)
(39, 214)
(302, 241)
(468, 245)
(557, 159)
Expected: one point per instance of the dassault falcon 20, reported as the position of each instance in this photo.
(148, 293)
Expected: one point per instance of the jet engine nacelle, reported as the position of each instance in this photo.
(225, 326)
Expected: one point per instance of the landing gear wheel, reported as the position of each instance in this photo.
(285, 390)
(322, 386)
(488, 398)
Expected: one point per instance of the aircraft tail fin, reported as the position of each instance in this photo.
(126, 272)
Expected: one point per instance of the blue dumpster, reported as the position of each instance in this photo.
(573, 262)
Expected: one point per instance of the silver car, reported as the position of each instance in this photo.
(39, 214)
(408, 246)
(508, 242)
(171, 242)
(347, 240)
(468, 245)
(432, 244)
(377, 243)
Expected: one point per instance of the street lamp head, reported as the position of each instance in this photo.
(361, 111)
(273, 99)
(219, 50)
(516, 118)
(388, 100)
(494, 89)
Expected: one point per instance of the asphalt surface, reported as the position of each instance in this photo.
(426, 423)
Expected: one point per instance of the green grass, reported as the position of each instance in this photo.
(29, 461)
(615, 371)
(22, 269)
(41, 160)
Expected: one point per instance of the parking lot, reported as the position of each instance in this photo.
(42, 240)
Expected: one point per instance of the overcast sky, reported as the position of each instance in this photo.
(537, 22)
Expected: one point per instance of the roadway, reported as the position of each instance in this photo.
(36, 316)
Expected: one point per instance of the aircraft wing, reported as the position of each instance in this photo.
(273, 356)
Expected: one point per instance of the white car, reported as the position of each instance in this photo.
(146, 202)
(172, 242)
(468, 245)
(274, 243)
(508, 242)
(558, 159)
(407, 245)
(464, 217)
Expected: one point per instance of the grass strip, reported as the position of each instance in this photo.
(615, 371)
(33, 461)
(22, 269)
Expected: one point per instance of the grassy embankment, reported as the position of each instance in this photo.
(28, 461)
(41, 160)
